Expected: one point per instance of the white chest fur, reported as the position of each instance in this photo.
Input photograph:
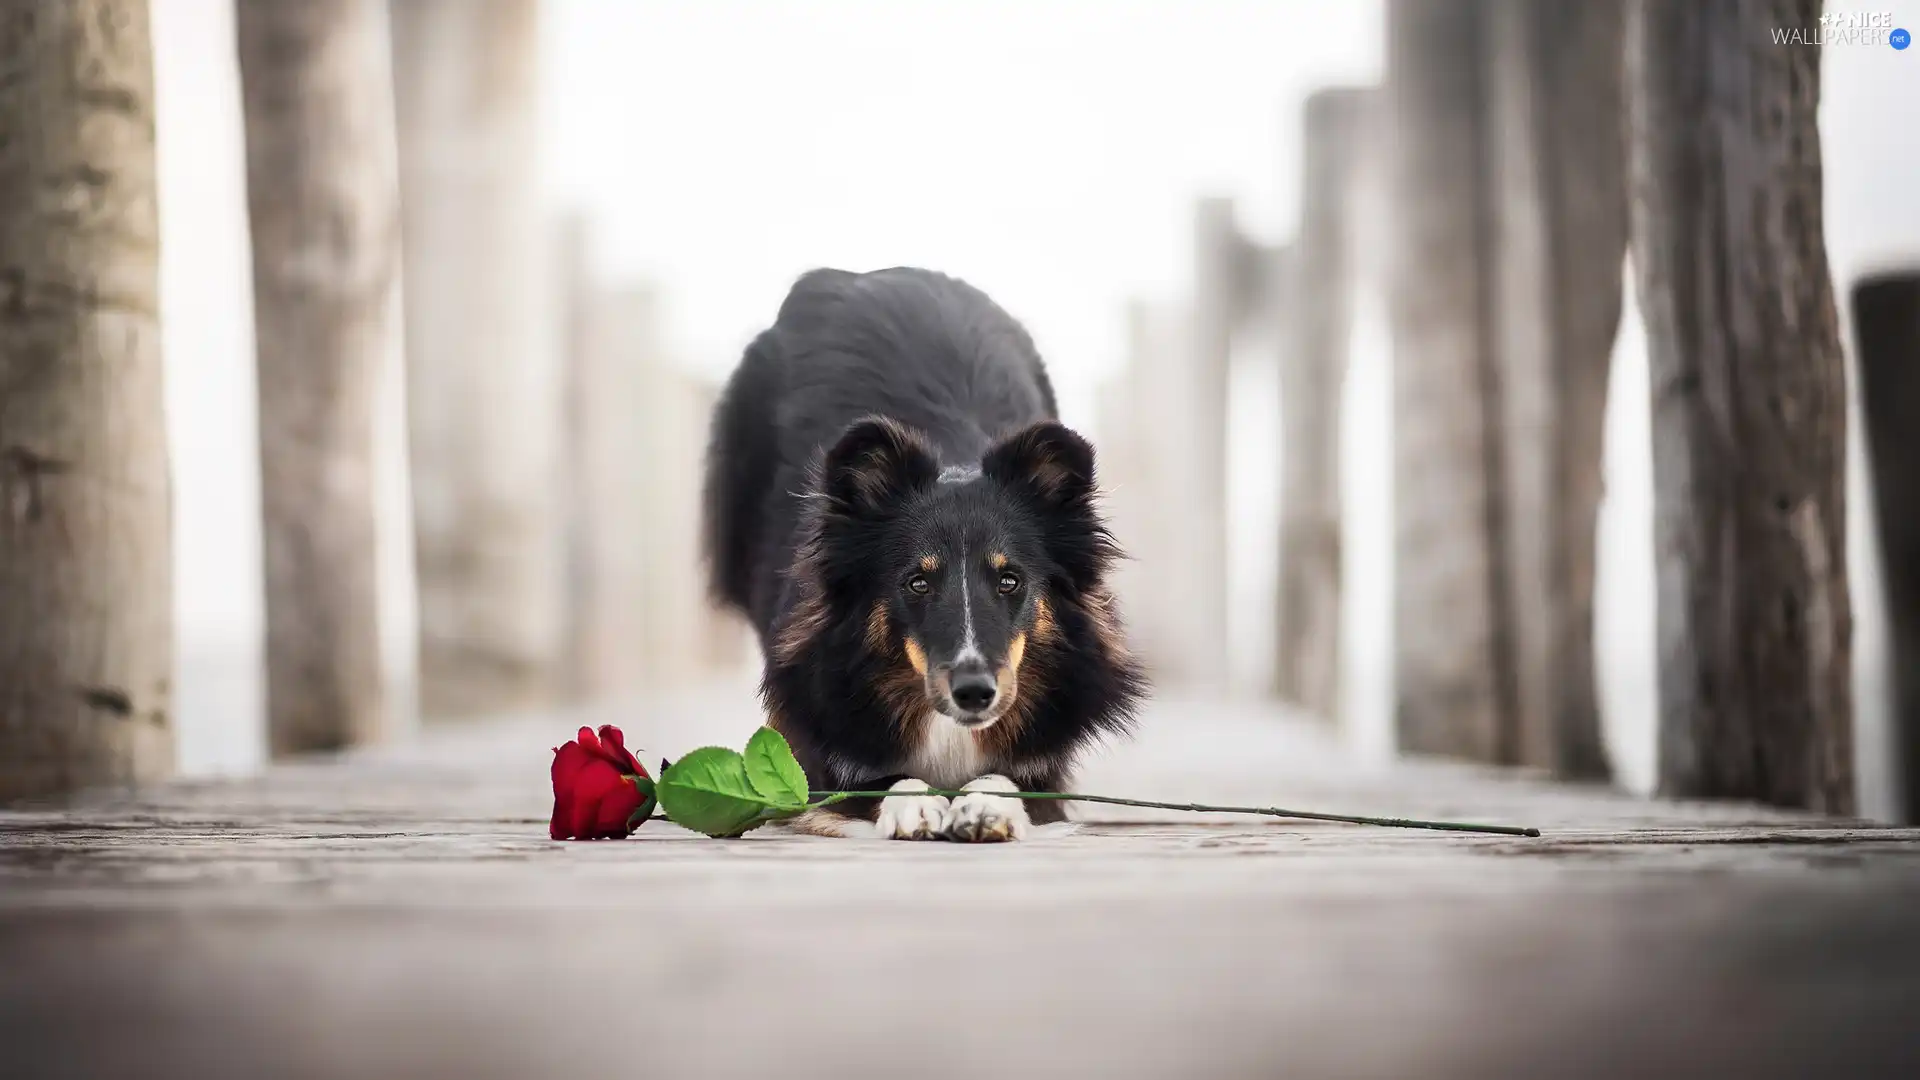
(948, 755)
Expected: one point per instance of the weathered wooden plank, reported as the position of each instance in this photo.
(1749, 405)
(1558, 180)
(86, 568)
(401, 912)
(323, 204)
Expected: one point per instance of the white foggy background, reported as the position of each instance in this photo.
(1047, 150)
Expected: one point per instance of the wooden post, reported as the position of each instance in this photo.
(1558, 175)
(1313, 365)
(638, 616)
(617, 520)
(483, 391)
(1135, 470)
(676, 411)
(1749, 405)
(1886, 326)
(1453, 647)
(1218, 300)
(323, 205)
(86, 554)
(575, 304)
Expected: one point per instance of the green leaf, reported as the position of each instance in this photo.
(772, 770)
(708, 791)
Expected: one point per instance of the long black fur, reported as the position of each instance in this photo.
(961, 384)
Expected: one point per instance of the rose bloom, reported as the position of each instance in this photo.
(600, 791)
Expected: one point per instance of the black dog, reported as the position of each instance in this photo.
(891, 502)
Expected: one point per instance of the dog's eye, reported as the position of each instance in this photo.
(1008, 583)
(918, 585)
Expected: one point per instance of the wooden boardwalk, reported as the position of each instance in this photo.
(401, 913)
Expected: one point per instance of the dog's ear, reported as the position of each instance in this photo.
(1048, 461)
(875, 465)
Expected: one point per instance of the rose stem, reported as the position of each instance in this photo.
(830, 797)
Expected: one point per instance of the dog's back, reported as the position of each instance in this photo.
(931, 352)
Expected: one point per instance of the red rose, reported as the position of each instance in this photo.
(600, 792)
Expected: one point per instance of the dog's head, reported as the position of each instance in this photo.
(956, 570)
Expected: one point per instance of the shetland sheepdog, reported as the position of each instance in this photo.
(891, 502)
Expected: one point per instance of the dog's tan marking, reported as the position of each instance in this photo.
(997, 742)
(1106, 625)
(903, 693)
(916, 656)
(998, 559)
(929, 563)
(808, 618)
(877, 627)
(1043, 625)
(1027, 668)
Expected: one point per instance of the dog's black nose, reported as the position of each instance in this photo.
(974, 691)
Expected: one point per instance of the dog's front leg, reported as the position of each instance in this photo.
(910, 815)
(983, 816)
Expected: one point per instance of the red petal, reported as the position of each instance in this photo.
(610, 820)
(598, 784)
(568, 761)
(615, 744)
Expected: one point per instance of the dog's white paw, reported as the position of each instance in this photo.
(984, 817)
(908, 816)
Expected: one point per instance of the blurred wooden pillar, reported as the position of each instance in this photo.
(1220, 297)
(483, 393)
(1886, 326)
(1313, 364)
(678, 615)
(323, 205)
(638, 618)
(1558, 176)
(1749, 406)
(1163, 465)
(1453, 648)
(1134, 470)
(575, 308)
(613, 521)
(86, 546)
